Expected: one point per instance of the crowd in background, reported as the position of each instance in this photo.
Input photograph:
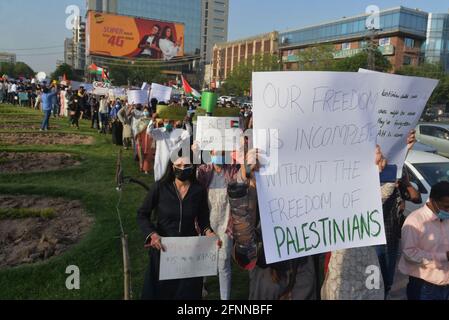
(205, 207)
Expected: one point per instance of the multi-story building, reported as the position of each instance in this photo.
(107, 6)
(79, 44)
(8, 57)
(227, 55)
(69, 51)
(400, 38)
(436, 49)
(214, 28)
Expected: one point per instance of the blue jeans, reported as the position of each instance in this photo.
(45, 122)
(55, 108)
(418, 289)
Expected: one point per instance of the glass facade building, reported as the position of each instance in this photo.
(393, 20)
(187, 12)
(436, 47)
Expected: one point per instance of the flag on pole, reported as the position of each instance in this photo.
(95, 69)
(188, 89)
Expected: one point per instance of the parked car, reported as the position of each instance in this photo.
(436, 135)
(425, 170)
(225, 99)
(424, 147)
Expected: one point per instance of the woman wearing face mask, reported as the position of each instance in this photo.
(144, 142)
(215, 177)
(179, 203)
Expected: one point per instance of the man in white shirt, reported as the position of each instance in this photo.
(13, 93)
(168, 139)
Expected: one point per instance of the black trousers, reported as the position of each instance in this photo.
(182, 289)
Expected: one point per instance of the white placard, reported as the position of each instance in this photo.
(101, 91)
(117, 93)
(161, 93)
(319, 190)
(145, 86)
(400, 105)
(137, 97)
(188, 257)
(218, 133)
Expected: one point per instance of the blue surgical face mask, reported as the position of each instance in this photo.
(168, 126)
(443, 215)
(218, 160)
(146, 114)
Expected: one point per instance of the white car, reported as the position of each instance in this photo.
(425, 170)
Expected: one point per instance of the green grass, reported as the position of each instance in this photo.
(22, 213)
(98, 255)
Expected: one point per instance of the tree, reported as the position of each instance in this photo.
(319, 58)
(68, 71)
(238, 81)
(16, 70)
(433, 71)
(360, 60)
(136, 75)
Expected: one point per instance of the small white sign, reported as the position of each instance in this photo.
(188, 257)
(161, 93)
(137, 97)
(218, 133)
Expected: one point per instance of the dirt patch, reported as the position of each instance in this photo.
(21, 162)
(23, 117)
(23, 127)
(44, 139)
(29, 240)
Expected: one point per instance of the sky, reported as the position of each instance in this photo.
(38, 27)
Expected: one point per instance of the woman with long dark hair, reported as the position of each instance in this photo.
(169, 46)
(181, 210)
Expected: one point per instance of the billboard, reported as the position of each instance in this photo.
(129, 37)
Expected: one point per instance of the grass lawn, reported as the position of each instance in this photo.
(98, 255)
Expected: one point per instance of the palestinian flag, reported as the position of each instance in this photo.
(188, 89)
(235, 124)
(99, 71)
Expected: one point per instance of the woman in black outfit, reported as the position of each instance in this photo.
(180, 203)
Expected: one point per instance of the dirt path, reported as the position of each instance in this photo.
(30, 240)
(44, 139)
(21, 162)
(21, 126)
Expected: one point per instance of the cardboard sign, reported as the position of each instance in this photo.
(188, 257)
(161, 93)
(138, 97)
(400, 105)
(218, 133)
(319, 188)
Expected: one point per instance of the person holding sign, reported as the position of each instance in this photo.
(216, 177)
(180, 204)
(425, 247)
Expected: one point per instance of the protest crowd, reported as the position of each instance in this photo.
(214, 193)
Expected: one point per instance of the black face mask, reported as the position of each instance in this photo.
(183, 175)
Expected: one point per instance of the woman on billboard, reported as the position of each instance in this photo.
(167, 44)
